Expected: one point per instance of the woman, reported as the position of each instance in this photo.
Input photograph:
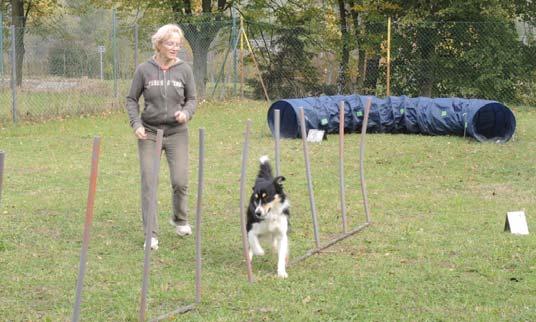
(168, 89)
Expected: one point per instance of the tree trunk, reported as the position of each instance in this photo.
(360, 81)
(200, 36)
(18, 20)
(426, 47)
(343, 81)
(360, 77)
(371, 77)
(200, 71)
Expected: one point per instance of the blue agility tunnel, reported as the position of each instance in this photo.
(482, 120)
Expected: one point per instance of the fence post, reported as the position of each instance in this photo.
(388, 85)
(136, 35)
(2, 45)
(241, 35)
(114, 48)
(235, 58)
(13, 74)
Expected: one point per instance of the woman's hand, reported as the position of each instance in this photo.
(180, 117)
(140, 133)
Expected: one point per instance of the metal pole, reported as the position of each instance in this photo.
(464, 124)
(242, 198)
(87, 226)
(277, 130)
(200, 180)
(180, 310)
(235, 58)
(2, 45)
(114, 44)
(241, 58)
(149, 225)
(2, 156)
(256, 66)
(220, 77)
(13, 74)
(200, 184)
(136, 35)
(331, 243)
(341, 166)
(388, 90)
(362, 159)
(309, 180)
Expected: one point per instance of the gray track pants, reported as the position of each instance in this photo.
(176, 149)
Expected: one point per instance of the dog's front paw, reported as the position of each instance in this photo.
(282, 274)
(258, 252)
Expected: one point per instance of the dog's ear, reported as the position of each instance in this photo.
(279, 180)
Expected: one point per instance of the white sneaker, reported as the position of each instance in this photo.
(184, 230)
(154, 243)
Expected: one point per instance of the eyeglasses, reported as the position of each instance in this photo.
(171, 44)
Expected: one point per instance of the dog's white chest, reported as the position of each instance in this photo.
(273, 224)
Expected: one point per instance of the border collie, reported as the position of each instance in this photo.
(268, 216)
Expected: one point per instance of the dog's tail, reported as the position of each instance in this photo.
(265, 170)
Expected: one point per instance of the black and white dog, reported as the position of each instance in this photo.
(268, 216)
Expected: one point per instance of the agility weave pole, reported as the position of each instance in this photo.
(242, 201)
(87, 223)
(309, 179)
(277, 130)
(200, 185)
(341, 168)
(149, 226)
(345, 235)
(198, 211)
(2, 157)
(362, 160)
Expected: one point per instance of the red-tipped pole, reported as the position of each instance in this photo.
(87, 225)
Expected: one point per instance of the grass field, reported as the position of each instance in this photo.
(435, 251)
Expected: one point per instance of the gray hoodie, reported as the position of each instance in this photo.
(164, 93)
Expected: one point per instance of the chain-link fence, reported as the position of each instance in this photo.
(85, 67)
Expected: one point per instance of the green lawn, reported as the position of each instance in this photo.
(436, 249)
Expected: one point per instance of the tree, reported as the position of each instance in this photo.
(364, 21)
(24, 13)
(200, 21)
(466, 48)
(287, 72)
(286, 44)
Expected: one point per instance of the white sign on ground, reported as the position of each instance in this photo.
(516, 223)
(315, 135)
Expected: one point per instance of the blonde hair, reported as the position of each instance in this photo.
(164, 33)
